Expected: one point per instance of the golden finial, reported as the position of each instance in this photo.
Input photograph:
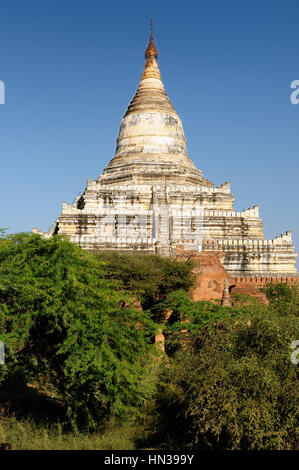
(151, 50)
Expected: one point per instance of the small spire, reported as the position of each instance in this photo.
(151, 50)
(226, 300)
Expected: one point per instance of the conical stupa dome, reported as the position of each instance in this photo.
(151, 143)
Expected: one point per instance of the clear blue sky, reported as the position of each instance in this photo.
(71, 67)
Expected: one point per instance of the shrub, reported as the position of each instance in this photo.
(62, 319)
(234, 387)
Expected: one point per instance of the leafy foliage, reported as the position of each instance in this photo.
(150, 278)
(70, 321)
(61, 318)
(283, 298)
(234, 387)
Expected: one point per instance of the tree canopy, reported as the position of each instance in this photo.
(150, 278)
(83, 325)
(233, 385)
(60, 316)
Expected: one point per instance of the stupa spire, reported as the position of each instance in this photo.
(151, 50)
(151, 67)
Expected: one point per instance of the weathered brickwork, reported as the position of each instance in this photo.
(210, 274)
(214, 284)
(252, 285)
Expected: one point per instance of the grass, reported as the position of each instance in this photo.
(36, 420)
(26, 434)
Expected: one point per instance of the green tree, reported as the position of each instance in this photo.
(60, 317)
(234, 386)
(150, 278)
(283, 298)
